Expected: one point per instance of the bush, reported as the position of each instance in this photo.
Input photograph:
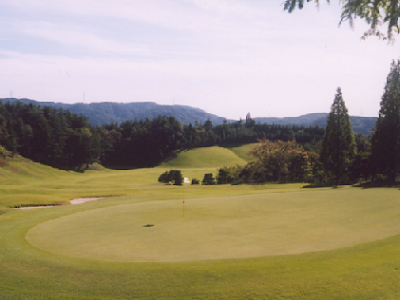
(224, 176)
(164, 177)
(176, 177)
(195, 181)
(208, 179)
(173, 176)
(228, 175)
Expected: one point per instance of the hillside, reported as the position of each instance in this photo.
(360, 124)
(110, 112)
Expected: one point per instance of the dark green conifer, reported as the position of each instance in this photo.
(386, 137)
(338, 145)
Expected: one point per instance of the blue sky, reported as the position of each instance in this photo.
(226, 57)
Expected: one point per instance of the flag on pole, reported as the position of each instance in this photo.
(186, 180)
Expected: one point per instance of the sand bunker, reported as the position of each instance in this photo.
(74, 201)
(30, 207)
(83, 200)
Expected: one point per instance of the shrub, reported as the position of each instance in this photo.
(208, 179)
(164, 177)
(228, 175)
(195, 181)
(176, 177)
(173, 176)
(224, 176)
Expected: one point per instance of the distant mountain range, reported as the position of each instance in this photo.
(110, 112)
(360, 124)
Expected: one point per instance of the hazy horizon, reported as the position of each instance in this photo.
(225, 57)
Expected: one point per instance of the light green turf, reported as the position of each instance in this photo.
(205, 158)
(224, 227)
(366, 271)
(242, 151)
(42, 185)
(370, 270)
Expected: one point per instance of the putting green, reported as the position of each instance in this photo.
(225, 227)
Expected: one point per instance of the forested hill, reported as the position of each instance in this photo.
(360, 124)
(109, 112)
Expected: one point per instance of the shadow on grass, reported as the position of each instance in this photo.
(378, 184)
(319, 185)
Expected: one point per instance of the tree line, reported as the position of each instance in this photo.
(333, 154)
(53, 137)
(66, 140)
(342, 156)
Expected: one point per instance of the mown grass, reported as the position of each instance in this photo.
(242, 150)
(360, 271)
(205, 158)
(224, 227)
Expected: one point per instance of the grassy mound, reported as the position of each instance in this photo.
(205, 158)
(15, 167)
(242, 150)
(27, 183)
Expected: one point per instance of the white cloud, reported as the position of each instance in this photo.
(72, 36)
(228, 57)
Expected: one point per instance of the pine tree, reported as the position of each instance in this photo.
(386, 137)
(338, 145)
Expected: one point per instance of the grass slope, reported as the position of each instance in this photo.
(242, 151)
(205, 158)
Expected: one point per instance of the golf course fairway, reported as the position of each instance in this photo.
(223, 227)
(272, 241)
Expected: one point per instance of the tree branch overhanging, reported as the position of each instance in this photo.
(376, 13)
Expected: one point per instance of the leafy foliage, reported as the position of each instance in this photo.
(208, 179)
(375, 12)
(173, 176)
(164, 177)
(228, 175)
(276, 161)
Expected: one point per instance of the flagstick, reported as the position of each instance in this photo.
(183, 190)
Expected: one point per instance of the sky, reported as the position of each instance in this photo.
(227, 57)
